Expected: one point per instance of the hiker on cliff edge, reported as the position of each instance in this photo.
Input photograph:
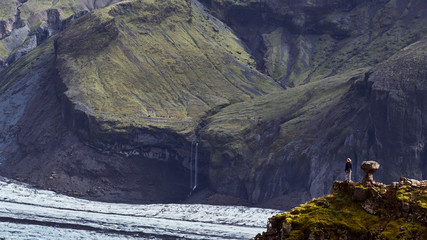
(348, 167)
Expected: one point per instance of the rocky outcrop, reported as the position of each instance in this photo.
(369, 167)
(354, 211)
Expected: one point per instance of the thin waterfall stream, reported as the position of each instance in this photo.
(194, 162)
(195, 166)
(191, 165)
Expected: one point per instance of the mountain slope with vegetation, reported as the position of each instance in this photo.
(25, 24)
(296, 42)
(115, 106)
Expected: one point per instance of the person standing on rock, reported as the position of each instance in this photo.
(348, 168)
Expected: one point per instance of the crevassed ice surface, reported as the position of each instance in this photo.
(29, 213)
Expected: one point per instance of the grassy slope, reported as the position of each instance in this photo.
(154, 63)
(256, 130)
(7, 6)
(23, 65)
(6, 10)
(374, 32)
(385, 32)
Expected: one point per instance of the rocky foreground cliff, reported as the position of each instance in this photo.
(269, 97)
(356, 211)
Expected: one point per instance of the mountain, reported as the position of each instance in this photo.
(355, 211)
(25, 24)
(269, 97)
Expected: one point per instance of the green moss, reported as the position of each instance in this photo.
(402, 229)
(404, 194)
(330, 214)
(338, 215)
(297, 235)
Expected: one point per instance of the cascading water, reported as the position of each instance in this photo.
(193, 171)
(191, 165)
(195, 166)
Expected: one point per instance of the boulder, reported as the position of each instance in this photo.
(369, 167)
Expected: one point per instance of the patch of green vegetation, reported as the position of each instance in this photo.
(3, 51)
(168, 63)
(68, 7)
(26, 12)
(31, 7)
(422, 201)
(415, 195)
(22, 66)
(404, 194)
(8, 7)
(283, 116)
(402, 229)
(335, 214)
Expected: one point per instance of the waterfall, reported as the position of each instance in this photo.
(191, 165)
(194, 162)
(195, 166)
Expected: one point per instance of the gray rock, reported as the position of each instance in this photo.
(395, 185)
(369, 167)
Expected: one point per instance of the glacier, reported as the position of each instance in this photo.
(30, 213)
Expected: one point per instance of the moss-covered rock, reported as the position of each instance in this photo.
(341, 215)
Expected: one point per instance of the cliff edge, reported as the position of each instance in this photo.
(357, 211)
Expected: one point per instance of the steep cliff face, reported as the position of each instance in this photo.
(297, 141)
(132, 82)
(112, 107)
(296, 42)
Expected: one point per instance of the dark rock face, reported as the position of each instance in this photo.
(145, 157)
(365, 123)
(296, 42)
